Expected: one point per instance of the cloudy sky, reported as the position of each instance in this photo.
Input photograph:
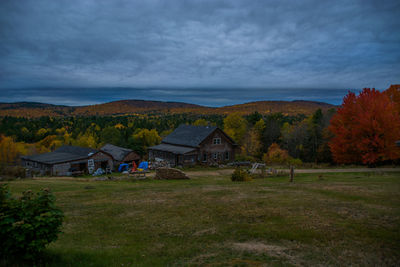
(208, 52)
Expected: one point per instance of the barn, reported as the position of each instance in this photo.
(121, 154)
(189, 145)
(67, 159)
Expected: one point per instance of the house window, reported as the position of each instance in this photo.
(204, 157)
(215, 156)
(227, 155)
(217, 141)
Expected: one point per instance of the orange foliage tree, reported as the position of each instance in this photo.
(276, 155)
(365, 129)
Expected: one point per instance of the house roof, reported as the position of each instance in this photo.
(53, 157)
(62, 154)
(172, 148)
(117, 152)
(76, 150)
(189, 135)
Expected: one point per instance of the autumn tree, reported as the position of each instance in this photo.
(8, 150)
(394, 94)
(235, 126)
(144, 138)
(365, 129)
(252, 144)
(86, 140)
(201, 122)
(110, 135)
(276, 155)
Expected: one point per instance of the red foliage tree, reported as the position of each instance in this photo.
(365, 128)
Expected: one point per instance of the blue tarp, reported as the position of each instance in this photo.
(123, 167)
(144, 165)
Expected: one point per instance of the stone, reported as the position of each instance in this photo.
(89, 187)
(170, 174)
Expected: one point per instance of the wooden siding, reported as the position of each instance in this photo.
(63, 168)
(208, 148)
(131, 157)
(224, 152)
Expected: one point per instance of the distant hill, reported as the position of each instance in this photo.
(285, 107)
(126, 107)
(131, 107)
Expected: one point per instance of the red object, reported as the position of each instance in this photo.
(366, 128)
(134, 167)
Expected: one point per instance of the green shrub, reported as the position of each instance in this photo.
(12, 171)
(240, 175)
(295, 162)
(28, 223)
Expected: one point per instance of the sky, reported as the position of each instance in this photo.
(209, 52)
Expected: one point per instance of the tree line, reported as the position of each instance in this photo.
(362, 131)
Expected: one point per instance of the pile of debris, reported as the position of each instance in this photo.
(170, 174)
(158, 163)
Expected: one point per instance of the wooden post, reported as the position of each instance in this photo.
(263, 171)
(291, 174)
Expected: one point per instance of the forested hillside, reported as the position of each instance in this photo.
(363, 130)
(132, 107)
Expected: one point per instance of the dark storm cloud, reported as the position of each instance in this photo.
(265, 45)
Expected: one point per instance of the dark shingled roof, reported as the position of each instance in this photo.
(76, 150)
(189, 135)
(172, 148)
(117, 152)
(62, 154)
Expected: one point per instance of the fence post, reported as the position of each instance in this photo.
(291, 173)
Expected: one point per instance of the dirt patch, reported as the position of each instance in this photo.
(258, 247)
(209, 173)
(205, 232)
(272, 250)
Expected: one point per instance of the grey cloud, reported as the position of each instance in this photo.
(199, 44)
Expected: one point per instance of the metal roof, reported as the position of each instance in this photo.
(54, 157)
(62, 154)
(76, 150)
(189, 135)
(172, 148)
(117, 152)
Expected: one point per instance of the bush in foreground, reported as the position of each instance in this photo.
(240, 175)
(29, 223)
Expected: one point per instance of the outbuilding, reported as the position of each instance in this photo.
(121, 154)
(68, 159)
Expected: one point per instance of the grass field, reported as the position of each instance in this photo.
(341, 219)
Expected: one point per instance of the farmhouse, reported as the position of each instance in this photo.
(121, 154)
(189, 144)
(67, 159)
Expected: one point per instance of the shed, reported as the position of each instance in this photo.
(66, 159)
(121, 154)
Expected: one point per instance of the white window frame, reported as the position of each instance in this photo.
(217, 141)
(227, 155)
(215, 156)
(205, 157)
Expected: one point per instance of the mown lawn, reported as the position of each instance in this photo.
(341, 219)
